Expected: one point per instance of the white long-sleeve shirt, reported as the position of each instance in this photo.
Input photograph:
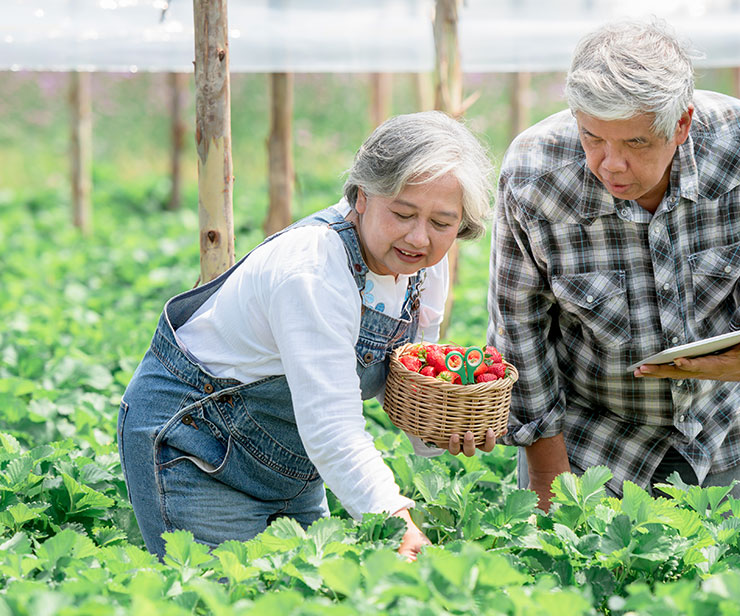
(293, 308)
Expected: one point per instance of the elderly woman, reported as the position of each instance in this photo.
(249, 398)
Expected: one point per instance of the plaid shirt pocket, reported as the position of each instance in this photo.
(596, 301)
(714, 274)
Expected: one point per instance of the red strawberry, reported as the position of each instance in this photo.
(498, 369)
(482, 369)
(428, 371)
(493, 354)
(411, 362)
(449, 349)
(417, 350)
(448, 376)
(486, 377)
(436, 359)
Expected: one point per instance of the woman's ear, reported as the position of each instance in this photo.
(361, 201)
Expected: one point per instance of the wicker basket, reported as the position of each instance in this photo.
(433, 409)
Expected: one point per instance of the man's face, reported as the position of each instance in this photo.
(629, 159)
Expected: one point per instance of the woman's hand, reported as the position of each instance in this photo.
(413, 539)
(468, 443)
(723, 367)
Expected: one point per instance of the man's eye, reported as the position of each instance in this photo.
(402, 216)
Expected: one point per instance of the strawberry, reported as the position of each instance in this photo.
(482, 369)
(436, 359)
(486, 377)
(417, 350)
(498, 369)
(450, 348)
(411, 362)
(493, 355)
(428, 371)
(448, 376)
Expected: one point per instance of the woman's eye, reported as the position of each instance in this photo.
(402, 216)
(441, 225)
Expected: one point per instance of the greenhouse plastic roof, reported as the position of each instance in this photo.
(338, 35)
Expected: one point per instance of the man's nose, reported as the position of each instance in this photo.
(614, 160)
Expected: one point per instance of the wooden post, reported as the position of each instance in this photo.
(424, 88)
(736, 81)
(280, 153)
(178, 83)
(213, 138)
(381, 97)
(448, 98)
(519, 103)
(81, 150)
(448, 92)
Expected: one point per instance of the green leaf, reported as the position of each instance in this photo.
(182, 549)
(565, 489)
(341, 575)
(618, 534)
(324, 531)
(636, 503)
(592, 484)
(286, 528)
(16, 473)
(21, 513)
(83, 498)
(64, 544)
(519, 505)
(430, 485)
(233, 567)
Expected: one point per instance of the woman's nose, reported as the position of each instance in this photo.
(417, 235)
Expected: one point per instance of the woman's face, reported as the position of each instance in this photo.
(401, 235)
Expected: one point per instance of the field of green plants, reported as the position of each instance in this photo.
(78, 314)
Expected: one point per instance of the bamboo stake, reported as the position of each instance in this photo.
(424, 88)
(280, 153)
(448, 98)
(178, 83)
(81, 150)
(381, 97)
(519, 102)
(213, 138)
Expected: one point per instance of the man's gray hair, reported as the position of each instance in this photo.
(628, 68)
(417, 148)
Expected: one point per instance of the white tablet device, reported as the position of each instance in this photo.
(692, 349)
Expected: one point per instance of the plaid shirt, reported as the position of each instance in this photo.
(584, 285)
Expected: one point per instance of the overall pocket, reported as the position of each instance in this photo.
(597, 301)
(220, 436)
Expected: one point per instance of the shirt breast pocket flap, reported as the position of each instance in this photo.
(597, 301)
(714, 274)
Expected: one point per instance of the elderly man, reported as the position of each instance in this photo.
(617, 235)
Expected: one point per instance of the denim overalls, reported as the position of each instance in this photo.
(223, 459)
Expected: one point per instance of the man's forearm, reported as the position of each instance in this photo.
(546, 459)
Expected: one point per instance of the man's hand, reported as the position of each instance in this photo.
(468, 443)
(723, 367)
(413, 539)
(546, 459)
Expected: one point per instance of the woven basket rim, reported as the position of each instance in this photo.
(512, 374)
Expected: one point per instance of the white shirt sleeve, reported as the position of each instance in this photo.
(314, 316)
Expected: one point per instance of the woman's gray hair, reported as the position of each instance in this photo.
(417, 148)
(629, 68)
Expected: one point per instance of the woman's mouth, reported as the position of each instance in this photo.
(408, 255)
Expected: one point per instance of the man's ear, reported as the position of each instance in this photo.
(684, 124)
